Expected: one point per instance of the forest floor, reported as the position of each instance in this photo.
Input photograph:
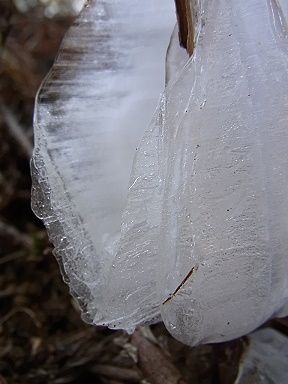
(42, 336)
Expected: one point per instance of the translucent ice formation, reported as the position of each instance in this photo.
(90, 116)
(225, 167)
(265, 360)
(185, 217)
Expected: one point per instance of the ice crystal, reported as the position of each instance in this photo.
(181, 213)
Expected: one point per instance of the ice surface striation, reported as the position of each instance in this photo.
(184, 216)
(90, 116)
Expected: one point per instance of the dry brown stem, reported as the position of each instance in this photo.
(185, 24)
(156, 366)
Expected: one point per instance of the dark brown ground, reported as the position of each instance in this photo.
(42, 338)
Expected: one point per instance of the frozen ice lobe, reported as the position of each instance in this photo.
(225, 206)
(179, 210)
(89, 118)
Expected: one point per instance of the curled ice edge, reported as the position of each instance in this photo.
(61, 220)
(60, 230)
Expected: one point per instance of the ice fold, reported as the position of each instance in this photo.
(230, 182)
(208, 192)
(89, 118)
(187, 218)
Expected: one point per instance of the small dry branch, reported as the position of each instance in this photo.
(156, 366)
(185, 24)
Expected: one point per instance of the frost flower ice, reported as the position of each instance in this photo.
(162, 179)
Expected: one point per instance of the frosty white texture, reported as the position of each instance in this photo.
(201, 234)
(225, 167)
(90, 116)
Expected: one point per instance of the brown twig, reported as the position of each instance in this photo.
(185, 24)
(280, 324)
(16, 235)
(189, 274)
(156, 366)
(117, 373)
(25, 310)
(16, 131)
(2, 380)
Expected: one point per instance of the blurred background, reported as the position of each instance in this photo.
(42, 337)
